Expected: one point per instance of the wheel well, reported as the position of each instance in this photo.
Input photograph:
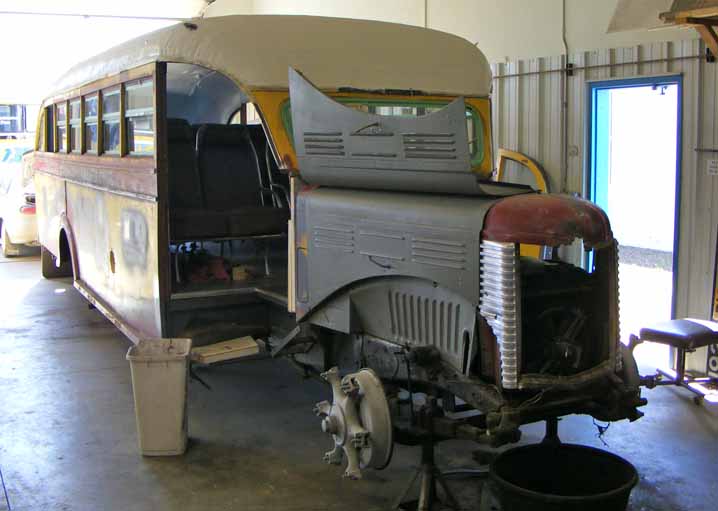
(65, 254)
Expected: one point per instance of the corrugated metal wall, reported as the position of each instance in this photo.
(527, 117)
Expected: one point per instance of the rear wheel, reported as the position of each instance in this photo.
(8, 248)
(50, 270)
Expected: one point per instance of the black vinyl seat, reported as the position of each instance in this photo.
(189, 217)
(232, 185)
(215, 184)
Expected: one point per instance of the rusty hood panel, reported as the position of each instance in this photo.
(550, 220)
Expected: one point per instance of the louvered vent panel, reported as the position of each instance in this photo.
(324, 143)
(442, 253)
(425, 321)
(433, 146)
(331, 237)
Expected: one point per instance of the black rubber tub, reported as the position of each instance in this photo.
(553, 477)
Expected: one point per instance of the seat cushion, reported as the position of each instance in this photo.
(685, 333)
(198, 224)
(252, 221)
(228, 167)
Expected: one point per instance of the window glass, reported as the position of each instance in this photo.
(111, 121)
(252, 115)
(139, 118)
(41, 135)
(10, 119)
(61, 113)
(75, 131)
(91, 106)
(474, 126)
(236, 117)
(50, 128)
(91, 123)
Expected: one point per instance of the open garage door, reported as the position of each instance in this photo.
(44, 38)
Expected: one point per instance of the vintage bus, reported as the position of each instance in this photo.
(355, 226)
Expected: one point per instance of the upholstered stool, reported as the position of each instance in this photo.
(685, 335)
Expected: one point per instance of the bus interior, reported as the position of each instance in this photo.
(228, 210)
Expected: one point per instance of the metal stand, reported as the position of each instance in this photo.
(428, 475)
(551, 435)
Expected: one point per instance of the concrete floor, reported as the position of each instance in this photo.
(68, 442)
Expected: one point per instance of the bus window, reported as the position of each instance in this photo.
(139, 118)
(75, 127)
(91, 105)
(247, 114)
(41, 133)
(50, 128)
(61, 116)
(111, 122)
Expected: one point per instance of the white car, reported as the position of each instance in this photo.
(17, 211)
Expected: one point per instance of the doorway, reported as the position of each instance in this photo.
(634, 164)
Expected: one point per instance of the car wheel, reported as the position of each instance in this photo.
(50, 270)
(8, 248)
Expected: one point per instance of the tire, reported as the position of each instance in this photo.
(49, 269)
(9, 248)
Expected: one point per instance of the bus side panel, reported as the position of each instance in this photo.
(116, 240)
(50, 193)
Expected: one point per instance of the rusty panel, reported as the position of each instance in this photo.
(117, 254)
(551, 220)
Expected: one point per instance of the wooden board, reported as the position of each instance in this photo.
(225, 350)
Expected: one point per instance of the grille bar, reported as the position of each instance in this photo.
(500, 304)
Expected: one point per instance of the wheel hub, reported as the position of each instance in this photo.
(358, 420)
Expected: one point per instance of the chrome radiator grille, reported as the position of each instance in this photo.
(500, 304)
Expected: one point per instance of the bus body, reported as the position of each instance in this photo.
(402, 256)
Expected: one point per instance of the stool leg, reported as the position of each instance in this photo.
(680, 365)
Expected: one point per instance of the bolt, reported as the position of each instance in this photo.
(321, 408)
(329, 425)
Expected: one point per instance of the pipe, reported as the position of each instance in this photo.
(78, 15)
(563, 186)
(601, 66)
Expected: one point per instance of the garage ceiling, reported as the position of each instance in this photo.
(43, 38)
(131, 8)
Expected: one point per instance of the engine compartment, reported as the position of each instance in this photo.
(564, 329)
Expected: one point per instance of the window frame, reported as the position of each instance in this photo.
(140, 112)
(115, 117)
(56, 138)
(93, 120)
(74, 122)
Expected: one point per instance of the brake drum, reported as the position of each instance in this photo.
(358, 420)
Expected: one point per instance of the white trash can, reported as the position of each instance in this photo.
(159, 383)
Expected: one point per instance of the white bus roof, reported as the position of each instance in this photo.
(256, 52)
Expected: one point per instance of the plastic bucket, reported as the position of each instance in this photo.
(547, 477)
(159, 383)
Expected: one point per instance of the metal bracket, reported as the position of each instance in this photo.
(301, 333)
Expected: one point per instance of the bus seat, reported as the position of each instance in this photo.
(231, 181)
(189, 219)
(184, 183)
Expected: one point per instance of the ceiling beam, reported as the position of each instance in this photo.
(79, 15)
